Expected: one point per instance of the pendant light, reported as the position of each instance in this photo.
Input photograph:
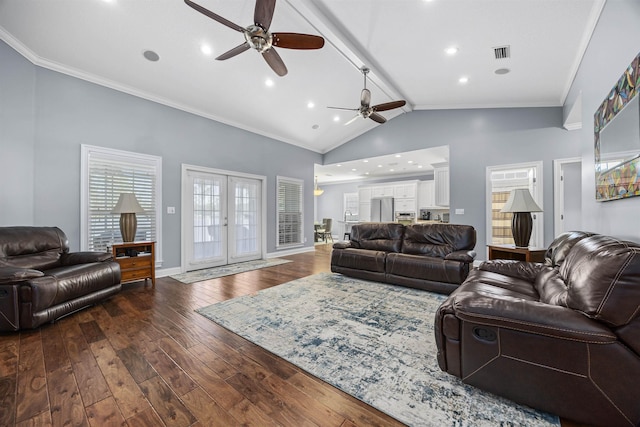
(317, 191)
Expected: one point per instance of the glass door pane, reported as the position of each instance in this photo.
(245, 234)
(208, 240)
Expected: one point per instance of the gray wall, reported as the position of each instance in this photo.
(476, 139)
(614, 44)
(70, 112)
(17, 129)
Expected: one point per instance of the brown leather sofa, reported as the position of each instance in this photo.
(41, 281)
(562, 336)
(433, 257)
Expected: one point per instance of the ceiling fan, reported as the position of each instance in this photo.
(257, 36)
(367, 111)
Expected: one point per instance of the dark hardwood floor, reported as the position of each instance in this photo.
(145, 358)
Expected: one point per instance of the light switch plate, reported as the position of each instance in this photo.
(171, 209)
(459, 211)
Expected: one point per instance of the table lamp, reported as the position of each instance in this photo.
(127, 207)
(521, 204)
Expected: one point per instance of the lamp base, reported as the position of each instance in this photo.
(521, 227)
(128, 226)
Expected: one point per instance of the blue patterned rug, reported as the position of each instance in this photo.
(371, 340)
(226, 270)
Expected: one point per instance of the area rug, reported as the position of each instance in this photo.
(371, 340)
(227, 270)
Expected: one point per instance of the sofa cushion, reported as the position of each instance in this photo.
(40, 250)
(561, 245)
(375, 236)
(426, 267)
(437, 240)
(601, 274)
(360, 259)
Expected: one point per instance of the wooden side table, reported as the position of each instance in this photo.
(137, 261)
(519, 254)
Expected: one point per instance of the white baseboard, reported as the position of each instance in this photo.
(291, 252)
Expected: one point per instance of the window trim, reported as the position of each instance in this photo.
(300, 183)
(86, 152)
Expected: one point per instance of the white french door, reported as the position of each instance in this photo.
(222, 221)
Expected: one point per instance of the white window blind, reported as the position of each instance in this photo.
(107, 174)
(290, 212)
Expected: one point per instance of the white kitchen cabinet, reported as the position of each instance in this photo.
(441, 179)
(405, 191)
(382, 191)
(426, 194)
(364, 203)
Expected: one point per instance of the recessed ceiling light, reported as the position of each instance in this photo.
(391, 170)
(310, 104)
(336, 118)
(379, 166)
(365, 161)
(398, 155)
(420, 166)
(354, 169)
(338, 165)
(151, 55)
(366, 173)
(451, 50)
(206, 49)
(269, 82)
(463, 80)
(501, 71)
(410, 161)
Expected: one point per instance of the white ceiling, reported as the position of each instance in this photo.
(402, 41)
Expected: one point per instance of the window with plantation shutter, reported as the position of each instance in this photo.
(106, 174)
(290, 213)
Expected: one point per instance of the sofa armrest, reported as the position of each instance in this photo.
(531, 317)
(17, 274)
(512, 268)
(74, 258)
(341, 245)
(462, 256)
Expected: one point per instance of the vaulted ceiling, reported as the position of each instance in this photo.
(403, 42)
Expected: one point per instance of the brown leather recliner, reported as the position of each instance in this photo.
(41, 281)
(562, 336)
(433, 257)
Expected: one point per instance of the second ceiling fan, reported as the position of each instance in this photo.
(257, 36)
(368, 111)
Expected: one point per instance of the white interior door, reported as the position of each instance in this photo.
(567, 185)
(223, 219)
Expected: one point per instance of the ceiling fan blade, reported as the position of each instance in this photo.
(215, 17)
(263, 13)
(352, 120)
(233, 52)
(377, 118)
(275, 62)
(389, 105)
(297, 41)
(346, 109)
(365, 98)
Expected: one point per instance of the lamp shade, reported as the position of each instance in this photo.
(520, 200)
(127, 203)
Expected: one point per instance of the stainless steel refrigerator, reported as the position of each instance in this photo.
(382, 209)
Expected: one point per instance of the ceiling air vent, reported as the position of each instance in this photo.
(502, 52)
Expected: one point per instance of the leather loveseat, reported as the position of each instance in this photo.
(41, 281)
(562, 336)
(433, 257)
